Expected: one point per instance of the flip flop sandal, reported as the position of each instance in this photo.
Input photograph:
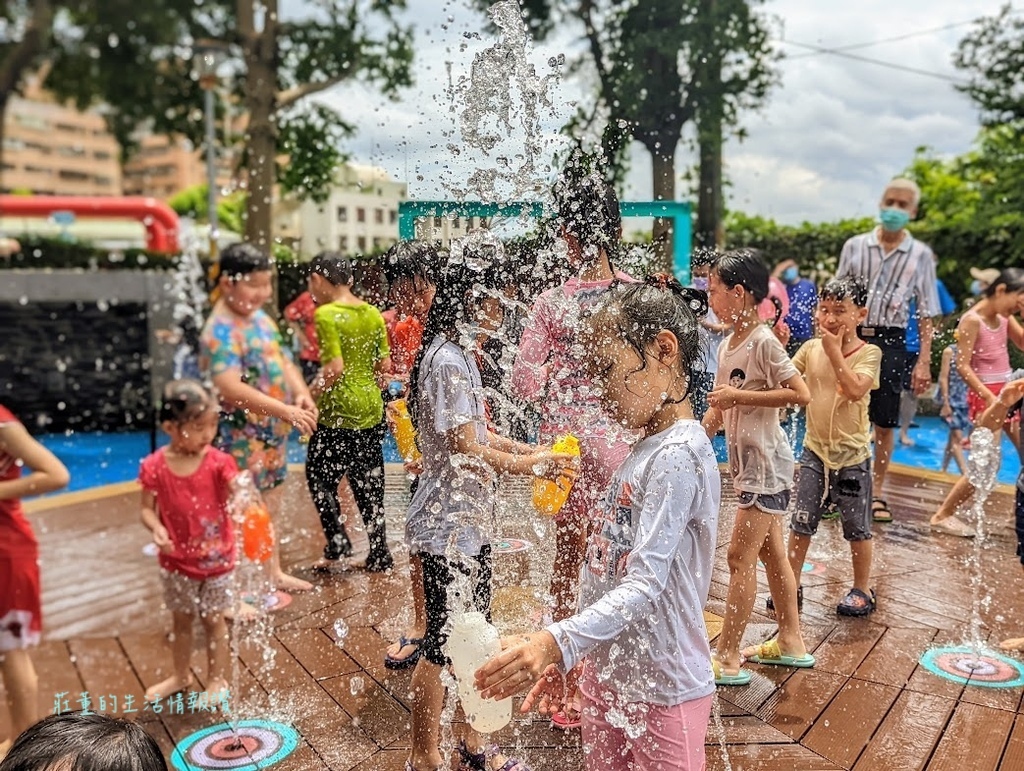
(566, 721)
(832, 512)
(769, 603)
(857, 603)
(723, 679)
(880, 513)
(769, 653)
(390, 662)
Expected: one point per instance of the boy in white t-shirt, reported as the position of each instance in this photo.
(841, 370)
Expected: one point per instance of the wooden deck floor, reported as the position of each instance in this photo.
(868, 704)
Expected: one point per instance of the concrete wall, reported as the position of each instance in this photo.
(78, 348)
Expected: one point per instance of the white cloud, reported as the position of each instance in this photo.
(831, 134)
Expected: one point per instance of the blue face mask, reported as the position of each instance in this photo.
(790, 275)
(701, 283)
(893, 220)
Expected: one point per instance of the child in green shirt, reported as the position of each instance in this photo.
(355, 361)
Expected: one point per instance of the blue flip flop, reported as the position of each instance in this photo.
(391, 662)
(723, 679)
(770, 654)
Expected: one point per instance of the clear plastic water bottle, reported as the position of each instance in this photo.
(472, 643)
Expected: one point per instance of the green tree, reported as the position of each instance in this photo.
(659, 64)
(137, 58)
(992, 55)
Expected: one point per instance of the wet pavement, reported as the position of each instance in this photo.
(868, 704)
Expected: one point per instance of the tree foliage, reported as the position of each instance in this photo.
(659, 64)
(136, 58)
(992, 55)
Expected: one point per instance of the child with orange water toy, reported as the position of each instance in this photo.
(263, 392)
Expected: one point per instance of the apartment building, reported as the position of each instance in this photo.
(162, 166)
(53, 149)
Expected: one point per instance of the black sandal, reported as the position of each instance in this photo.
(769, 603)
(881, 512)
(857, 603)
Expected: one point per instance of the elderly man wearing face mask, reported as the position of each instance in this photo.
(803, 299)
(897, 269)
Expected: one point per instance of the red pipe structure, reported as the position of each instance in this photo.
(159, 219)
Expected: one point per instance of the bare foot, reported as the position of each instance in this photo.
(243, 613)
(168, 687)
(287, 583)
(1014, 645)
(906, 441)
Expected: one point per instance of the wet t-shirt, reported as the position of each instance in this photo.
(356, 335)
(760, 458)
(454, 501)
(647, 573)
(838, 428)
(194, 509)
(252, 346)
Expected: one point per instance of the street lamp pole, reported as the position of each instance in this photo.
(206, 58)
(211, 172)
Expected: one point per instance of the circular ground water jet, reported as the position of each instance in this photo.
(966, 666)
(272, 601)
(252, 745)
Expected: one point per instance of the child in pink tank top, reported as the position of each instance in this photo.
(983, 361)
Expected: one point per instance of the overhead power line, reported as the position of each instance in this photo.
(881, 63)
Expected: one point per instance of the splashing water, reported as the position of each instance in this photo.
(719, 730)
(982, 467)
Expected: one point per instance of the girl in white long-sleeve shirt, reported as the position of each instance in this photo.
(647, 681)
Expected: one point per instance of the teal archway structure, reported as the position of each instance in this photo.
(677, 211)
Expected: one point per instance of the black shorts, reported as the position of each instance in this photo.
(884, 407)
(437, 578)
(849, 487)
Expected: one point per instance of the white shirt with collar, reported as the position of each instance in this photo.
(893, 279)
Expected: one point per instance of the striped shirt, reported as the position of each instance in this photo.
(893, 279)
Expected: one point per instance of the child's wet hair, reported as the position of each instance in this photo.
(241, 259)
(183, 401)
(845, 288)
(589, 211)
(84, 741)
(333, 266)
(634, 313)
(748, 269)
(1011, 278)
(465, 275)
(411, 260)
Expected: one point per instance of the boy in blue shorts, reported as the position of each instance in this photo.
(841, 370)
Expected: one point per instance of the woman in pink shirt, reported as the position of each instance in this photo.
(983, 361)
(549, 370)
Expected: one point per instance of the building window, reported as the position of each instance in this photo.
(471, 223)
(392, 217)
(378, 216)
(342, 214)
(343, 244)
(101, 155)
(437, 221)
(360, 214)
(361, 241)
(455, 223)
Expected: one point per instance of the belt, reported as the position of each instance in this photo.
(887, 334)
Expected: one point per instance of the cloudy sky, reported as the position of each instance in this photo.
(833, 131)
